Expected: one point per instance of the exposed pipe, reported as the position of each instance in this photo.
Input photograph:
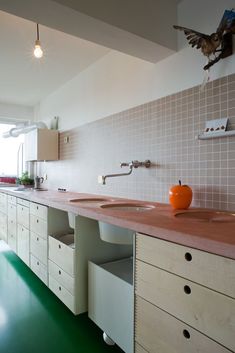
(24, 129)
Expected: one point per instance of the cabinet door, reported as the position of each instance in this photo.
(3, 226)
(63, 294)
(38, 226)
(23, 215)
(38, 247)
(204, 309)
(23, 243)
(41, 144)
(39, 269)
(63, 255)
(159, 332)
(38, 210)
(213, 271)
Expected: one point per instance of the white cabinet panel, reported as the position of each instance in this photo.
(23, 243)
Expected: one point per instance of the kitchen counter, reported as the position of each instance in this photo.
(160, 221)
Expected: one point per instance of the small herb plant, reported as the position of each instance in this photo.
(25, 179)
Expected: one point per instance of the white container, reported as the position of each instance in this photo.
(115, 235)
(111, 300)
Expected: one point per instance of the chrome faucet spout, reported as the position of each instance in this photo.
(131, 165)
(116, 175)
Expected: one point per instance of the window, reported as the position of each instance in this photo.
(11, 153)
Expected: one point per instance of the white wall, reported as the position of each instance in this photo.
(117, 81)
(14, 112)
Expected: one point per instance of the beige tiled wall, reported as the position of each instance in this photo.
(163, 131)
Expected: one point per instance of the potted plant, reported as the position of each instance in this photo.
(25, 180)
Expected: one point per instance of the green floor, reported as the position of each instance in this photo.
(33, 320)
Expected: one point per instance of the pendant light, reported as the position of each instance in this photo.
(38, 52)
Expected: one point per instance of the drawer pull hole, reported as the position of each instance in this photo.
(37, 207)
(59, 246)
(37, 220)
(59, 272)
(37, 239)
(186, 334)
(188, 256)
(187, 289)
(59, 288)
(37, 263)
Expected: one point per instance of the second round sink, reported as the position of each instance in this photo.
(128, 207)
(207, 216)
(90, 199)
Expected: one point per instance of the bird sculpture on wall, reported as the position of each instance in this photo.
(218, 42)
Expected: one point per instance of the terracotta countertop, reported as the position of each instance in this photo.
(159, 221)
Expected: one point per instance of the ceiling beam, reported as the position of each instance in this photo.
(141, 28)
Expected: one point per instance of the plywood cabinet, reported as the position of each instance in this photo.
(177, 291)
(12, 222)
(3, 216)
(41, 145)
(23, 230)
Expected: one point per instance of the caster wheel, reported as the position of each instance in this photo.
(108, 340)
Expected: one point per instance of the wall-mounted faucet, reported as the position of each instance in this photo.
(131, 165)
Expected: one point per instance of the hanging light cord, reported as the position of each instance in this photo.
(37, 32)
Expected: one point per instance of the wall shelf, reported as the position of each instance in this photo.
(215, 135)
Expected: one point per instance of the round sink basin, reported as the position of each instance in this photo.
(207, 216)
(90, 199)
(115, 235)
(128, 207)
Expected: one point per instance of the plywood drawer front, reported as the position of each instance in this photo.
(38, 210)
(39, 268)
(12, 241)
(38, 226)
(157, 331)
(208, 311)
(61, 277)
(11, 211)
(38, 247)
(11, 200)
(23, 243)
(62, 255)
(211, 270)
(139, 349)
(63, 294)
(22, 202)
(23, 215)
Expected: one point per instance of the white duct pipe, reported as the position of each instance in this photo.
(15, 132)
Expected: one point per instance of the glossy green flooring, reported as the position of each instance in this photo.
(33, 320)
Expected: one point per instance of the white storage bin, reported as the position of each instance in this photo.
(111, 300)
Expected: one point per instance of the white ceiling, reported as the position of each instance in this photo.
(25, 80)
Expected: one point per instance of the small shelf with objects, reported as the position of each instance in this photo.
(216, 128)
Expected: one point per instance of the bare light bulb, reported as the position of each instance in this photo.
(38, 52)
